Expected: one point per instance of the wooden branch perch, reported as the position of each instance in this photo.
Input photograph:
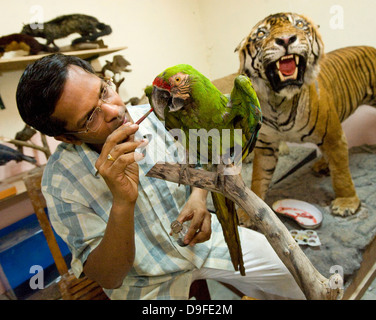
(45, 149)
(313, 284)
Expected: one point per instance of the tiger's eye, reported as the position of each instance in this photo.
(260, 34)
(300, 24)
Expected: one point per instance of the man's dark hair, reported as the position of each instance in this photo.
(39, 89)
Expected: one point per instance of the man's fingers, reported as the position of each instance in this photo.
(124, 132)
(109, 157)
(200, 229)
(122, 162)
(127, 147)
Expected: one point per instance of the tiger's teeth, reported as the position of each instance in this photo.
(287, 57)
(281, 76)
(295, 75)
(296, 59)
(278, 65)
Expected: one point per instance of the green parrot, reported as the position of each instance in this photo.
(185, 99)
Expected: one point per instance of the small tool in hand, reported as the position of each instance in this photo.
(144, 116)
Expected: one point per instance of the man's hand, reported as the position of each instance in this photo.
(195, 210)
(121, 171)
(112, 259)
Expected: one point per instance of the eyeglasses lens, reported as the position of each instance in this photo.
(95, 120)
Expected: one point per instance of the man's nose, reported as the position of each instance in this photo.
(110, 111)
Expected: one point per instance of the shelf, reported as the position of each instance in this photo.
(16, 181)
(20, 63)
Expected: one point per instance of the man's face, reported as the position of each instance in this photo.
(81, 95)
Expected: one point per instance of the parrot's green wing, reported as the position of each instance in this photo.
(246, 112)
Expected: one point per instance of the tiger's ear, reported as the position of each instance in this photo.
(240, 45)
(241, 56)
(318, 43)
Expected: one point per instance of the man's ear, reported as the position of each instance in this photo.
(68, 138)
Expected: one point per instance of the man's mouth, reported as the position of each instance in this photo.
(122, 119)
(287, 71)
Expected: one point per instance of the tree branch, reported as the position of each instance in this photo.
(313, 284)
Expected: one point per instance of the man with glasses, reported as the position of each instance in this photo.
(115, 220)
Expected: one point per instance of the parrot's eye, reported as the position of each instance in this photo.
(177, 79)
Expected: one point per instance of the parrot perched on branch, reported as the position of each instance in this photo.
(185, 99)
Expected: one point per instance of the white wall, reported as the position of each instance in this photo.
(162, 33)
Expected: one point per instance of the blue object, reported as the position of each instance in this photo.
(23, 245)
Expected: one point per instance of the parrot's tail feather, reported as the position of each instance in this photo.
(226, 213)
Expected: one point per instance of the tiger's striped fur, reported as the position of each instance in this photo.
(326, 90)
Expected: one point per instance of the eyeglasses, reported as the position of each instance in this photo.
(96, 117)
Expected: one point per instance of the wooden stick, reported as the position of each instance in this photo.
(44, 149)
(313, 284)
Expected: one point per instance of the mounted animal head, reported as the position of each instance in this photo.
(281, 54)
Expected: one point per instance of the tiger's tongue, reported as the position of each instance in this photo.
(287, 67)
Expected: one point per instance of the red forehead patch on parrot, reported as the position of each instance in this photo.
(160, 83)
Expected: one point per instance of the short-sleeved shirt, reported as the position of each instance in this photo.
(79, 203)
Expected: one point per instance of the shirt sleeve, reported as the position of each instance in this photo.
(73, 219)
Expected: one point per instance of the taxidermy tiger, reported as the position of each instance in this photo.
(304, 96)
(17, 41)
(88, 27)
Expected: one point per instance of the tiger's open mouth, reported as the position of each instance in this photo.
(287, 71)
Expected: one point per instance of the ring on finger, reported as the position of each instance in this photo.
(110, 157)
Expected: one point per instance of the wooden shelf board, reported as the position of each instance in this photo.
(19, 63)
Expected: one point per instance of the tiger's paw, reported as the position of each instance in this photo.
(345, 206)
(321, 167)
(283, 149)
(244, 220)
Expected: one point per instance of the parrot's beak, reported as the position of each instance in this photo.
(162, 98)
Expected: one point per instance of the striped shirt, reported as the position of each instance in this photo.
(79, 203)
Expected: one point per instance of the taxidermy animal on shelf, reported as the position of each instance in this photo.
(185, 99)
(8, 154)
(118, 65)
(24, 135)
(87, 26)
(18, 41)
(304, 97)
